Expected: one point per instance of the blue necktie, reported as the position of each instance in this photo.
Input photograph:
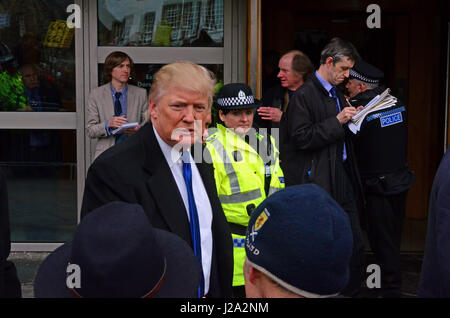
(117, 105)
(117, 113)
(338, 105)
(193, 216)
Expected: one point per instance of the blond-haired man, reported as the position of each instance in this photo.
(152, 169)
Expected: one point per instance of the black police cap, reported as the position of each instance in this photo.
(366, 72)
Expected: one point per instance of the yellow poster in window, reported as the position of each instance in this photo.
(59, 35)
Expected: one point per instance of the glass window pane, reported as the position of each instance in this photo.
(160, 23)
(37, 56)
(142, 74)
(40, 168)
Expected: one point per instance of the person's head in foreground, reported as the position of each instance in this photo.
(180, 101)
(237, 105)
(299, 243)
(117, 253)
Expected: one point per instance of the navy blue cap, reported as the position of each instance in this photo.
(302, 239)
(366, 72)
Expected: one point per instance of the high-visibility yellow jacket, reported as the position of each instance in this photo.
(240, 174)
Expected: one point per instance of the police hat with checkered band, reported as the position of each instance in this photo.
(236, 96)
(366, 72)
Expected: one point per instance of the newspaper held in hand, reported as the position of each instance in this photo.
(124, 127)
(382, 101)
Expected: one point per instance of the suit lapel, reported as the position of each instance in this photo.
(131, 97)
(108, 106)
(163, 187)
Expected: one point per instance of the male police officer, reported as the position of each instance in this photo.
(380, 148)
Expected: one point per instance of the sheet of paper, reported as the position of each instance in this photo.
(124, 127)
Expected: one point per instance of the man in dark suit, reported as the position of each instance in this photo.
(152, 169)
(314, 142)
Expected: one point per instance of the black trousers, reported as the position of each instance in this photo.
(384, 216)
(357, 262)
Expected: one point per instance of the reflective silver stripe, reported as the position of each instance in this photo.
(272, 190)
(229, 169)
(240, 197)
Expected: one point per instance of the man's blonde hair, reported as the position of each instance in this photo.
(183, 75)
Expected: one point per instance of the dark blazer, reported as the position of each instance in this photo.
(274, 97)
(136, 171)
(312, 140)
(435, 275)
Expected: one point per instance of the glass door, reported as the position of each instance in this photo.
(39, 103)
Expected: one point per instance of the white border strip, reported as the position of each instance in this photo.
(38, 120)
(34, 247)
(163, 55)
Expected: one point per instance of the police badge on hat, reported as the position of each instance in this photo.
(236, 96)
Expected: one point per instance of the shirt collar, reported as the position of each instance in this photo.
(172, 157)
(123, 91)
(324, 83)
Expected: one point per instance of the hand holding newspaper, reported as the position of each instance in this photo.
(124, 127)
(384, 100)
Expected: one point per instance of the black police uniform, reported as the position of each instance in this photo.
(380, 148)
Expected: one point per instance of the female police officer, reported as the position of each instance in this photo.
(246, 167)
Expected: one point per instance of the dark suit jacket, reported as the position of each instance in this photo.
(312, 141)
(435, 275)
(136, 171)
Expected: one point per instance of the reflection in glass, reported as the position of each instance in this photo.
(160, 23)
(37, 56)
(40, 168)
(142, 74)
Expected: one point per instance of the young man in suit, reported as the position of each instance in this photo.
(115, 103)
(152, 170)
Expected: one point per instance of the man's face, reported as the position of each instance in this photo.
(121, 73)
(287, 77)
(30, 78)
(353, 87)
(175, 113)
(338, 72)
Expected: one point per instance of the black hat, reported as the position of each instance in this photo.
(236, 96)
(365, 72)
(120, 254)
(302, 239)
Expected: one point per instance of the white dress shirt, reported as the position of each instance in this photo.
(204, 209)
